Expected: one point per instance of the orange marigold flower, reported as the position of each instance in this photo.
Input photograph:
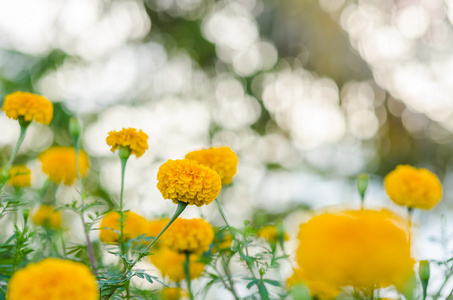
(270, 233)
(355, 248)
(53, 278)
(59, 164)
(133, 226)
(318, 290)
(414, 188)
(29, 106)
(170, 263)
(189, 235)
(221, 159)
(136, 141)
(20, 176)
(47, 216)
(187, 181)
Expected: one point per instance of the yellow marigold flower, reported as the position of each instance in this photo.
(317, 289)
(54, 279)
(29, 106)
(59, 164)
(189, 235)
(133, 226)
(20, 176)
(173, 293)
(270, 234)
(414, 188)
(170, 263)
(363, 248)
(136, 141)
(221, 159)
(187, 181)
(47, 216)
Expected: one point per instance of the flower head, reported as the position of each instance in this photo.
(319, 290)
(189, 236)
(173, 293)
(53, 278)
(363, 248)
(270, 233)
(47, 216)
(411, 187)
(20, 176)
(133, 226)
(59, 164)
(187, 181)
(29, 106)
(221, 159)
(136, 141)
(170, 263)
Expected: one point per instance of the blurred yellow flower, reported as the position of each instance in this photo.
(173, 293)
(189, 235)
(136, 141)
(222, 240)
(221, 159)
(170, 263)
(29, 106)
(133, 226)
(187, 181)
(270, 234)
(363, 248)
(59, 164)
(47, 216)
(155, 227)
(20, 176)
(414, 188)
(55, 279)
(319, 290)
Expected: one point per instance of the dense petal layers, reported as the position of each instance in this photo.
(136, 141)
(29, 106)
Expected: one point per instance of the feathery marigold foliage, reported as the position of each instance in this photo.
(29, 106)
(363, 248)
(59, 164)
(53, 279)
(221, 159)
(189, 235)
(319, 290)
(20, 176)
(270, 234)
(136, 141)
(187, 181)
(170, 263)
(48, 217)
(173, 293)
(133, 226)
(414, 188)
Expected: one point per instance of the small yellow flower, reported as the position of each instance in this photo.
(20, 176)
(170, 263)
(317, 289)
(47, 216)
(414, 188)
(53, 278)
(221, 159)
(59, 164)
(133, 226)
(29, 106)
(270, 234)
(136, 141)
(363, 248)
(189, 235)
(173, 293)
(187, 181)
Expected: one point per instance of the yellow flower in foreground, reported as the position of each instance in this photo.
(20, 176)
(29, 106)
(221, 159)
(355, 248)
(414, 188)
(133, 226)
(318, 289)
(189, 235)
(170, 263)
(47, 216)
(136, 141)
(53, 279)
(173, 293)
(59, 164)
(187, 181)
(270, 234)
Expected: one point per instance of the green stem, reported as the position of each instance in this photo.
(187, 271)
(410, 213)
(222, 213)
(121, 238)
(23, 131)
(447, 277)
(230, 279)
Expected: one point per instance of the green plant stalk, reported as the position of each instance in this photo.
(222, 214)
(230, 279)
(410, 213)
(23, 130)
(187, 271)
(179, 209)
(121, 237)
